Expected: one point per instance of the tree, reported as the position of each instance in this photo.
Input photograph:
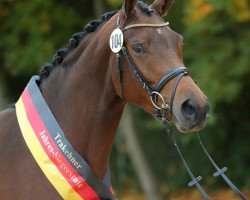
(139, 160)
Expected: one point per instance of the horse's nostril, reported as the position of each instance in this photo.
(189, 110)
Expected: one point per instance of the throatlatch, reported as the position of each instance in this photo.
(154, 93)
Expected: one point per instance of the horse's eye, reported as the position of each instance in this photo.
(138, 48)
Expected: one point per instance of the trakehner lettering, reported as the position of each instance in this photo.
(66, 151)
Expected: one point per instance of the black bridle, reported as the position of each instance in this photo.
(154, 93)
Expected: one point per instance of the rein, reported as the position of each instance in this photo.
(154, 93)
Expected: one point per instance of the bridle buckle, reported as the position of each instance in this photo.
(165, 107)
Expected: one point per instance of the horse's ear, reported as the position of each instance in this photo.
(129, 7)
(162, 6)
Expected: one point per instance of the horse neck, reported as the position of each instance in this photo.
(84, 101)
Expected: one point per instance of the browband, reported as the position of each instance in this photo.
(144, 25)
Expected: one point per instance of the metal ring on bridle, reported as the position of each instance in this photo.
(164, 105)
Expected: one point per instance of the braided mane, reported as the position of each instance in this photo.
(77, 38)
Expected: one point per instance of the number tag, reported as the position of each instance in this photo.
(116, 40)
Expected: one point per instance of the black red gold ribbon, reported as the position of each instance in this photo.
(67, 171)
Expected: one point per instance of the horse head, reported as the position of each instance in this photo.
(155, 50)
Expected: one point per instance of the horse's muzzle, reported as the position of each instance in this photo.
(193, 116)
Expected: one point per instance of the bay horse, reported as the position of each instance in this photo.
(83, 90)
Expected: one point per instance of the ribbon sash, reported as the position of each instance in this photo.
(67, 171)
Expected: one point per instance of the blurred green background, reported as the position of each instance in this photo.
(217, 51)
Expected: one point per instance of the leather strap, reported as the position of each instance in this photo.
(168, 76)
(144, 25)
(136, 72)
(221, 171)
(176, 83)
(120, 72)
